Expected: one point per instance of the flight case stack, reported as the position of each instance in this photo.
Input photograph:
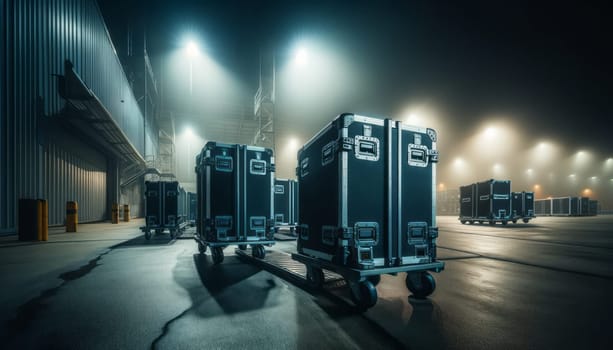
(164, 208)
(235, 198)
(367, 205)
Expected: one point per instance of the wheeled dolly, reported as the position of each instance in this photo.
(288, 227)
(174, 230)
(362, 282)
(257, 248)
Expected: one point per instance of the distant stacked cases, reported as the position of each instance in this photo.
(235, 198)
(566, 206)
(286, 204)
(167, 207)
(492, 201)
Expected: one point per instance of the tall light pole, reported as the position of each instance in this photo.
(264, 101)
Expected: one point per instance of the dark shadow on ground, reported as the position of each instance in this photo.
(233, 284)
(140, 241)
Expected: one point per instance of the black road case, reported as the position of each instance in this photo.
(522, 206)
(192, 204)
(542, 207)
(468, 203)
(164, 208)
(580, 206)
(367, 204)
(285, 203)
(235, 198)
(561, 206)
(592, 207)
(494, 201)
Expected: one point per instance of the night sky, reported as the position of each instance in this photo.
(546, 69)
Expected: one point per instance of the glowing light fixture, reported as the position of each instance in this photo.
(490, 132)
(191, 49)
(302, 56)
(586, 192)
(292, 143)
(189, 133)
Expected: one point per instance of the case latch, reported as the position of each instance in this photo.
(433, 154)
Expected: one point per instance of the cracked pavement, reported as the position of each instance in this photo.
(543, 285)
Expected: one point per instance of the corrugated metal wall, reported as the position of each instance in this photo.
(73, 178)
(133, 194)
(3, 112)
(38, 36)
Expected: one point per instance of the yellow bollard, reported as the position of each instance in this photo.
(72, 217)
(126, 213)
(115, 214)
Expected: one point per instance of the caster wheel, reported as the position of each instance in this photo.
(463, 222)
(315, 277)
(470, 222)
(202, 248)
(505, 222)
(158, 231)
(173, 234)
(217, 253)
(481, 222)
(242, 246)
(375, 279)
(258, 251)
(514, 221)
(492, 222)
(363, 294)
(525, 221)
(421, 284)
(147, 235)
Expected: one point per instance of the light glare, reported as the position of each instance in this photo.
(302, 56)
(191, 49)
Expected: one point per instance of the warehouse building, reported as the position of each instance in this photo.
(74, 128)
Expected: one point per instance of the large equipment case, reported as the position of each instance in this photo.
(367, 205)
(468, 203)
(494, 201)
(192, 203)
(486, 201)
(522, 206)
(235, 198)
(542, 207)
(561, 206)
(580, 206)
(592, 207)
(165, 208)
(285, 203)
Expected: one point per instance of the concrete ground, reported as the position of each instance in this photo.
(546, 284)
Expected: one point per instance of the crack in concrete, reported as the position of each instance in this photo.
(27, 311)
(166, 327)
